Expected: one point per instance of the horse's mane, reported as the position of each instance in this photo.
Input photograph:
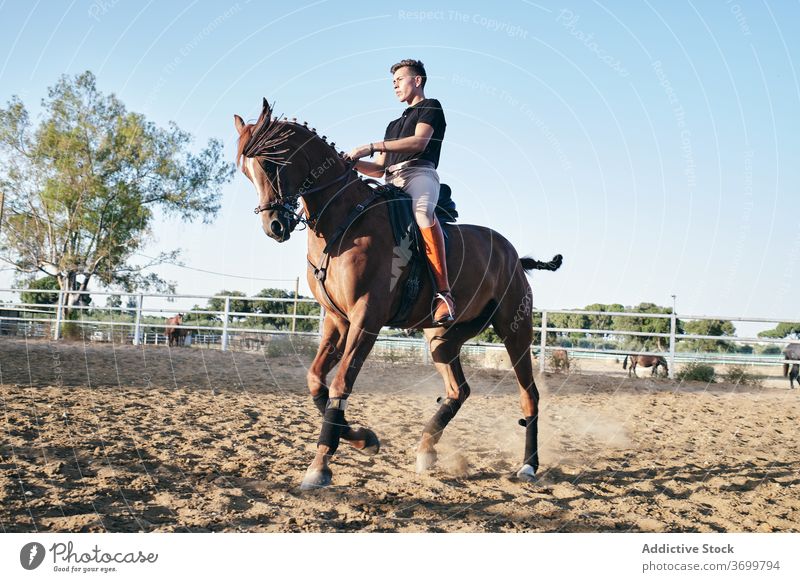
(267, 135)
(263, 139)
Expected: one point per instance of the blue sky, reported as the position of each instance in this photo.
(654, 144)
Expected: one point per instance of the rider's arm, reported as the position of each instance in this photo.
(374, 169)
(412, 144)
(408, 145)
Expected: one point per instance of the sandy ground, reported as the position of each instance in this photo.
(111, 438)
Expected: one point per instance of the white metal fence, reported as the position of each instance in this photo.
(143, 320)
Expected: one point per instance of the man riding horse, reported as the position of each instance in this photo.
(350, 242)
(408, 156)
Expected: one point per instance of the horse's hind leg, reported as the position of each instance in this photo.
(445, 346)
(793, 375)
(512, 322)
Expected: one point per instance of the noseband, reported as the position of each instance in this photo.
(286, 205)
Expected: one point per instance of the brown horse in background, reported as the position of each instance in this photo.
(560, 360)
(350, 254)
(175, 335)
(645, 362)
(792, 352)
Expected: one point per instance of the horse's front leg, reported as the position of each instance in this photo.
(361, 336)
(331, 350)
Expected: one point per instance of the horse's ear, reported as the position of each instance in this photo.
(239, 123)
(266, 111)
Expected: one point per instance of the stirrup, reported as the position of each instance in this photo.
(447, 299)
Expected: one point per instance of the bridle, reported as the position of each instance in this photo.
(286, 205)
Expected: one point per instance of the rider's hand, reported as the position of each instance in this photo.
(358, 153)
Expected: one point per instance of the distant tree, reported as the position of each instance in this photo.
(646, 325)
(771, 350)
(234, 306)
(716, 327)
(603, 321)
(488, 335)
(114, 301)
(44, 283)
(83, 188)
(569, 321)
(265, 306)
(782, 331)
(131, 305)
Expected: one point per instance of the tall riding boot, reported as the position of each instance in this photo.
(444, 307)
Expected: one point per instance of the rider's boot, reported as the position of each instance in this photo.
(444, 307)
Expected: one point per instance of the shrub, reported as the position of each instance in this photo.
(696, 371)
(739, 376)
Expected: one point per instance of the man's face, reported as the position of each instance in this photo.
(405, 83)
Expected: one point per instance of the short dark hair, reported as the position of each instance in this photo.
(414, 65)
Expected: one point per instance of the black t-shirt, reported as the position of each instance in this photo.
(427, 111)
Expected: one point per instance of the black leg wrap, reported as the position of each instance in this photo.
(531, 444)
(321, 402)
(332, 424)
(445, 414)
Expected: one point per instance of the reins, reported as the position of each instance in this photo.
(287, 205)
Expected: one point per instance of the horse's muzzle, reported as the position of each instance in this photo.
(277, 229)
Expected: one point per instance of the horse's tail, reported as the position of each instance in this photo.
(785, 370)
(625, 363)
(530, 264)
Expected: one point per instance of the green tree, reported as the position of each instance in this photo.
(646, 325)
(488, 335)
(44, 283)
(304, 308)
(782, 330)
(716, 327)
(82, 188)
(569, 321)
(234, 306)
(603, 321)
(114, 301)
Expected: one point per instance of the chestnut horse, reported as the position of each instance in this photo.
(353, 273)
(645, 362)
(560, 360)
(175, 335)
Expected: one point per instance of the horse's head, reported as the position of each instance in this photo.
(284, 160)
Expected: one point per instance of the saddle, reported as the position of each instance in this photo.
(409, 249)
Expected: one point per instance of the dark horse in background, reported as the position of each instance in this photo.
(792, 352)
(645, 362)
(350, 255)
(175, 335)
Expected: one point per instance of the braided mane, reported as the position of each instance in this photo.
(267, 138)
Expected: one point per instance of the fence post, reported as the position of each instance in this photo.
(225, 324)
(673, 326)
(543, 342)
(294, 311)
(137, 329)
(59, 315)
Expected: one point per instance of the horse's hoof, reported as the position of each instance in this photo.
(373, 445)
(527, 474)
(425, 461)
(316, 479)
